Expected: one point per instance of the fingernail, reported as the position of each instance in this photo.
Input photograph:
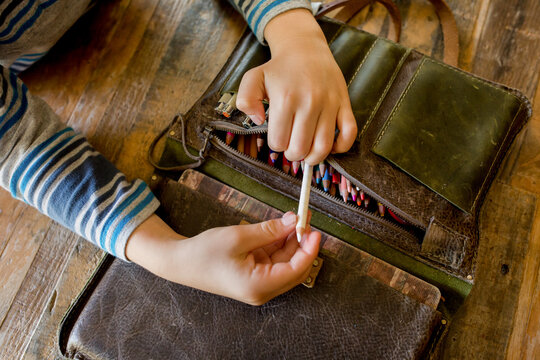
(256, 119)
(288, 219)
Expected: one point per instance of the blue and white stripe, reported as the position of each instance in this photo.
(25, 18)
(61, 175)
(259, 12)
(24, 62)
(66, 179)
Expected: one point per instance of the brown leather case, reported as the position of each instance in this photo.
(360, 307)
(431, 139)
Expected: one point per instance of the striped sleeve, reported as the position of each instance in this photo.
(259, 12)
(56, 170)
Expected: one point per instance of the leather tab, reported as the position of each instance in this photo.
(443, 245)
(315, 268)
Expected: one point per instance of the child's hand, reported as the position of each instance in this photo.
(251, 263)
(305, 88)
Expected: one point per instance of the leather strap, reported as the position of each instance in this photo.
(349, 8)
(198, 159)
(450, 32)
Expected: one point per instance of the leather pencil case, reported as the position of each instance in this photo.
(431, 139)
(360, 306)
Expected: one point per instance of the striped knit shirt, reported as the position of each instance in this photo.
(51, 166)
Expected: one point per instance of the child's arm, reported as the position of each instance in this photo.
(56, 170)
(250, 263)
(306, 90)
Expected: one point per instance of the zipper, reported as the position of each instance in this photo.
(262, 129)
(401, 214)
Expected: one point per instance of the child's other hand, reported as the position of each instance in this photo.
(305, 88)
(250, 263)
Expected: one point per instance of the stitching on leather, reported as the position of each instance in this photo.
(391, 117)
(362, 63)
(474, 78)
(385, 91)
(495, 159)
(340, 30)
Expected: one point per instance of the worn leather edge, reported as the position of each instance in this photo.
(72, 313)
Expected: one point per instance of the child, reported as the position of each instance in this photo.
(54, 169)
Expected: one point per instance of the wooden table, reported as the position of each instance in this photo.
(122, 72)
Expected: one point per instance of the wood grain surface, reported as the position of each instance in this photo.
(123, 71)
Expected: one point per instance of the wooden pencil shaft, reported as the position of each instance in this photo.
(304, 200)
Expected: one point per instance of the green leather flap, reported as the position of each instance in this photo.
(446, 130)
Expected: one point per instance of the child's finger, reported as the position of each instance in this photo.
(302, 133)
(289, 274)
(255, 236)
(323, 139)
(280, 123)
(272, 248)
(289, 249)
(346, 124)
(251, 93)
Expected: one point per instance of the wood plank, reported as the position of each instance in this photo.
(509, 45)
(34, 293)
(421, 26)
(120, 115)
(78, 54)
(505, 48)
(79, 268)
(24, 234)
(524, 341)
(10, 211)
(531, 341)
(179, 80)
(21, 245)
(515, 61)
(482, 326)
(526, 175)
(470, 18)
(104, 81)
(524, 172)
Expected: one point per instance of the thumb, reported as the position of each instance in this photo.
(251, 93)
(255, 236)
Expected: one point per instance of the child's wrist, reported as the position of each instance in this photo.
(151, 244)
(292, 28)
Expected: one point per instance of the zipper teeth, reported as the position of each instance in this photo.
(260, 163)
(238, 130)
(405, 217)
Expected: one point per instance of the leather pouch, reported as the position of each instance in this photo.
(360, 307)
(431, 138)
